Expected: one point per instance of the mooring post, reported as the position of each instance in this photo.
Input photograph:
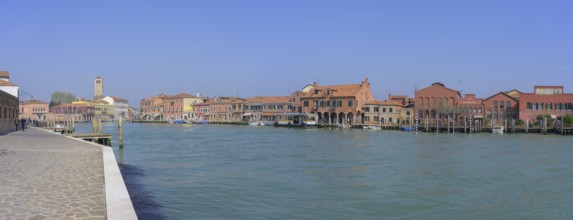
(120, 132)
(465, 125)
(526, 126)
(545, 126)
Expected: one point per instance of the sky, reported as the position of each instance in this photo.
(255, 48)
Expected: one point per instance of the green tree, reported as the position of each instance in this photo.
(61, 98)
(568, 119)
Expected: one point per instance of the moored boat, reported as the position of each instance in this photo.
(201, 122)
(497, 130)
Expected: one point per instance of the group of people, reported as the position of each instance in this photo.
(22, 122)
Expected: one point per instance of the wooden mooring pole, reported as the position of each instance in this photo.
(120, 132)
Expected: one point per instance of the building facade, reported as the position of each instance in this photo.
(78, 111)
(9, 97)
(34, 110)
(266, 108)
(226, 109)
(120, 106)
(546, 100)
(500, 107)
(435, 102)
(336, 104)
(151, 109)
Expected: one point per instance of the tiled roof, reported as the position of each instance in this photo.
(346, 90)
(33, 101)
(501, 93)
(4, 74)
(379, 102)
(268, 99)
(6, 83)
(180, 96)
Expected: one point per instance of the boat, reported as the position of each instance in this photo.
(406, 128)
(374, 127)
(179, 122)
(257, 123)
(294, 119)
(497, 130)
(200, 122)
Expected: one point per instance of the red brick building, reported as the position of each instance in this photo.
(550, 100)
(436, 99)
(152, 108)
(500, 107)
(337, 104)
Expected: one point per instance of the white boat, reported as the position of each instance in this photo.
(257, 123)
(497, 130)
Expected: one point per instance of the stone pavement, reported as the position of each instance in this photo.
(47, 176)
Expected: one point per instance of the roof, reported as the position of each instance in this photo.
(180, 96)
(501, 93)
(346, 90)
(33, 101)
(379, 102)
(6, 83)
(268, 99)
(4, 74)
(117, 98)
(443, 86)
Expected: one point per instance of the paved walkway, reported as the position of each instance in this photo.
(47, 176)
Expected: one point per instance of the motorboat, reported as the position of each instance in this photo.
(201, 122)
(497, 130)
(179, 122)
(406, 128)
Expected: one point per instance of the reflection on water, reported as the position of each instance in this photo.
(143, 201)
(242, 172)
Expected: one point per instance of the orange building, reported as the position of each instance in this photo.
(152, 108)
(266, 108)
(226, 109)
(34, 110)
(337, 104)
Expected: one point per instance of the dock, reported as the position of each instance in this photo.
(47, 175)
(99, 138)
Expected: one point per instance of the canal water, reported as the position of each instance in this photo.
(243, 172)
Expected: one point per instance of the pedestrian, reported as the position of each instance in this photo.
(16, 122)
(23, 123)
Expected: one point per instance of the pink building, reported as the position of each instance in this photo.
(34, 110)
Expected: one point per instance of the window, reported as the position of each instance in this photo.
(488, 114)
(327, 103)
(321, 104)
(390, 119)
(305, 103)
(501, 104)
(376, 109)
(339, 103)
(495, 115)
(390, 109)
(349, 103)
(366, 109)
(366, 118)
(495, 104)
(508, 105)
(549, 106)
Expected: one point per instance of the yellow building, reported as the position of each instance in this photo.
(103, 110)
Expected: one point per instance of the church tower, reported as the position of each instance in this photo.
(98, 88)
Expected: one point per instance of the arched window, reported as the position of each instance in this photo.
(488, 114)
(495, 115)
(508, 105)
(421, 101)
(495, 104)
(501, 115)
(501, 104)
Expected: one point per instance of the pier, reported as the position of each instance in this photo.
(47, 175)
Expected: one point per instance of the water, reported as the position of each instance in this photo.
(242, 172)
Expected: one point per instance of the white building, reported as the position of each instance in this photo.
(120, 106)
(7, 86)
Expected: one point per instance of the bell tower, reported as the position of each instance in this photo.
(98, 88)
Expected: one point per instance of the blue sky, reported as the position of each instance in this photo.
(251, 48)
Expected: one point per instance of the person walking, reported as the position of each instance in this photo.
(16, 122)
(23, 123)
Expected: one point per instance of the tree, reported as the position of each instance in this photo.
(61, 98)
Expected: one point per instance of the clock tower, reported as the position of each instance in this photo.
(98, 88)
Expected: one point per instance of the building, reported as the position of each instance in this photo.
(545, 100)
(500, 107)
(102, 109)
(151, 109)
(98, 88)
(9, 96)
(78, 111)
(470, 107)
(34, 110)
(226, 109)
(120, 106)
(202, 111)
(435, 102)
(336, 104)
(382, 113)
(189, 106)
(266, 108)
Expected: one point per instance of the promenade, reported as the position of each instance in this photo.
(49, 176)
